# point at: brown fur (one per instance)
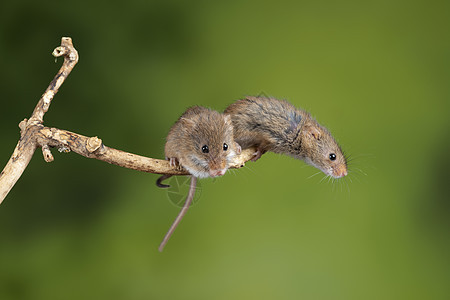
(197, 127)
(278, 126)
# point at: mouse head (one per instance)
(319, 149)
(211, 147)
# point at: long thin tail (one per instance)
(182, 212)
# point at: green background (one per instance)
(376, 73)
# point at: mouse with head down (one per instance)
(202, 142)
(278, 126)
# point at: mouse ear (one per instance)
(227, 119)
(238, 148)
(312, 131)
(187, 122)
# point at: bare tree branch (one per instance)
(27, 145)
(34, 134)
(92, 147)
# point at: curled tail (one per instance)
(160, 179)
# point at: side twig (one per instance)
(34, 134)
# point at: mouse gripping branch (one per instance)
(33, 135)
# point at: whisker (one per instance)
(361, 171)
(348, 187)
(232, 171)
(250, 169)
(323, 178)
(329, 177)
(355, 177)
(313, 175)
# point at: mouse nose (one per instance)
(340, 172)
(215, 173)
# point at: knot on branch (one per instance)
(93, 144)
(23, 126)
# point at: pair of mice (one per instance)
(204, 141)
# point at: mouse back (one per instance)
(276, 125)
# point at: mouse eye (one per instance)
(225, 147)
(332, 156)
(205, 149)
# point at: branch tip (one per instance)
(65, 48)
(48, 157)
(65, 40)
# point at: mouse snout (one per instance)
(217, 168)
(340, 171)
(215, 173)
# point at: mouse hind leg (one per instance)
(259, 152)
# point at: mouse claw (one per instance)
(257, 155)
(173, 161)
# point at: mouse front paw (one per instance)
(173, 161)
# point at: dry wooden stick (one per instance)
(34, 134)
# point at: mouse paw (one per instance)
(257, 155)
(173, 161)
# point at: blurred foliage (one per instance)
(375, 73)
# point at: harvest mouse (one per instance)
(278, 126)
(202, 142)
